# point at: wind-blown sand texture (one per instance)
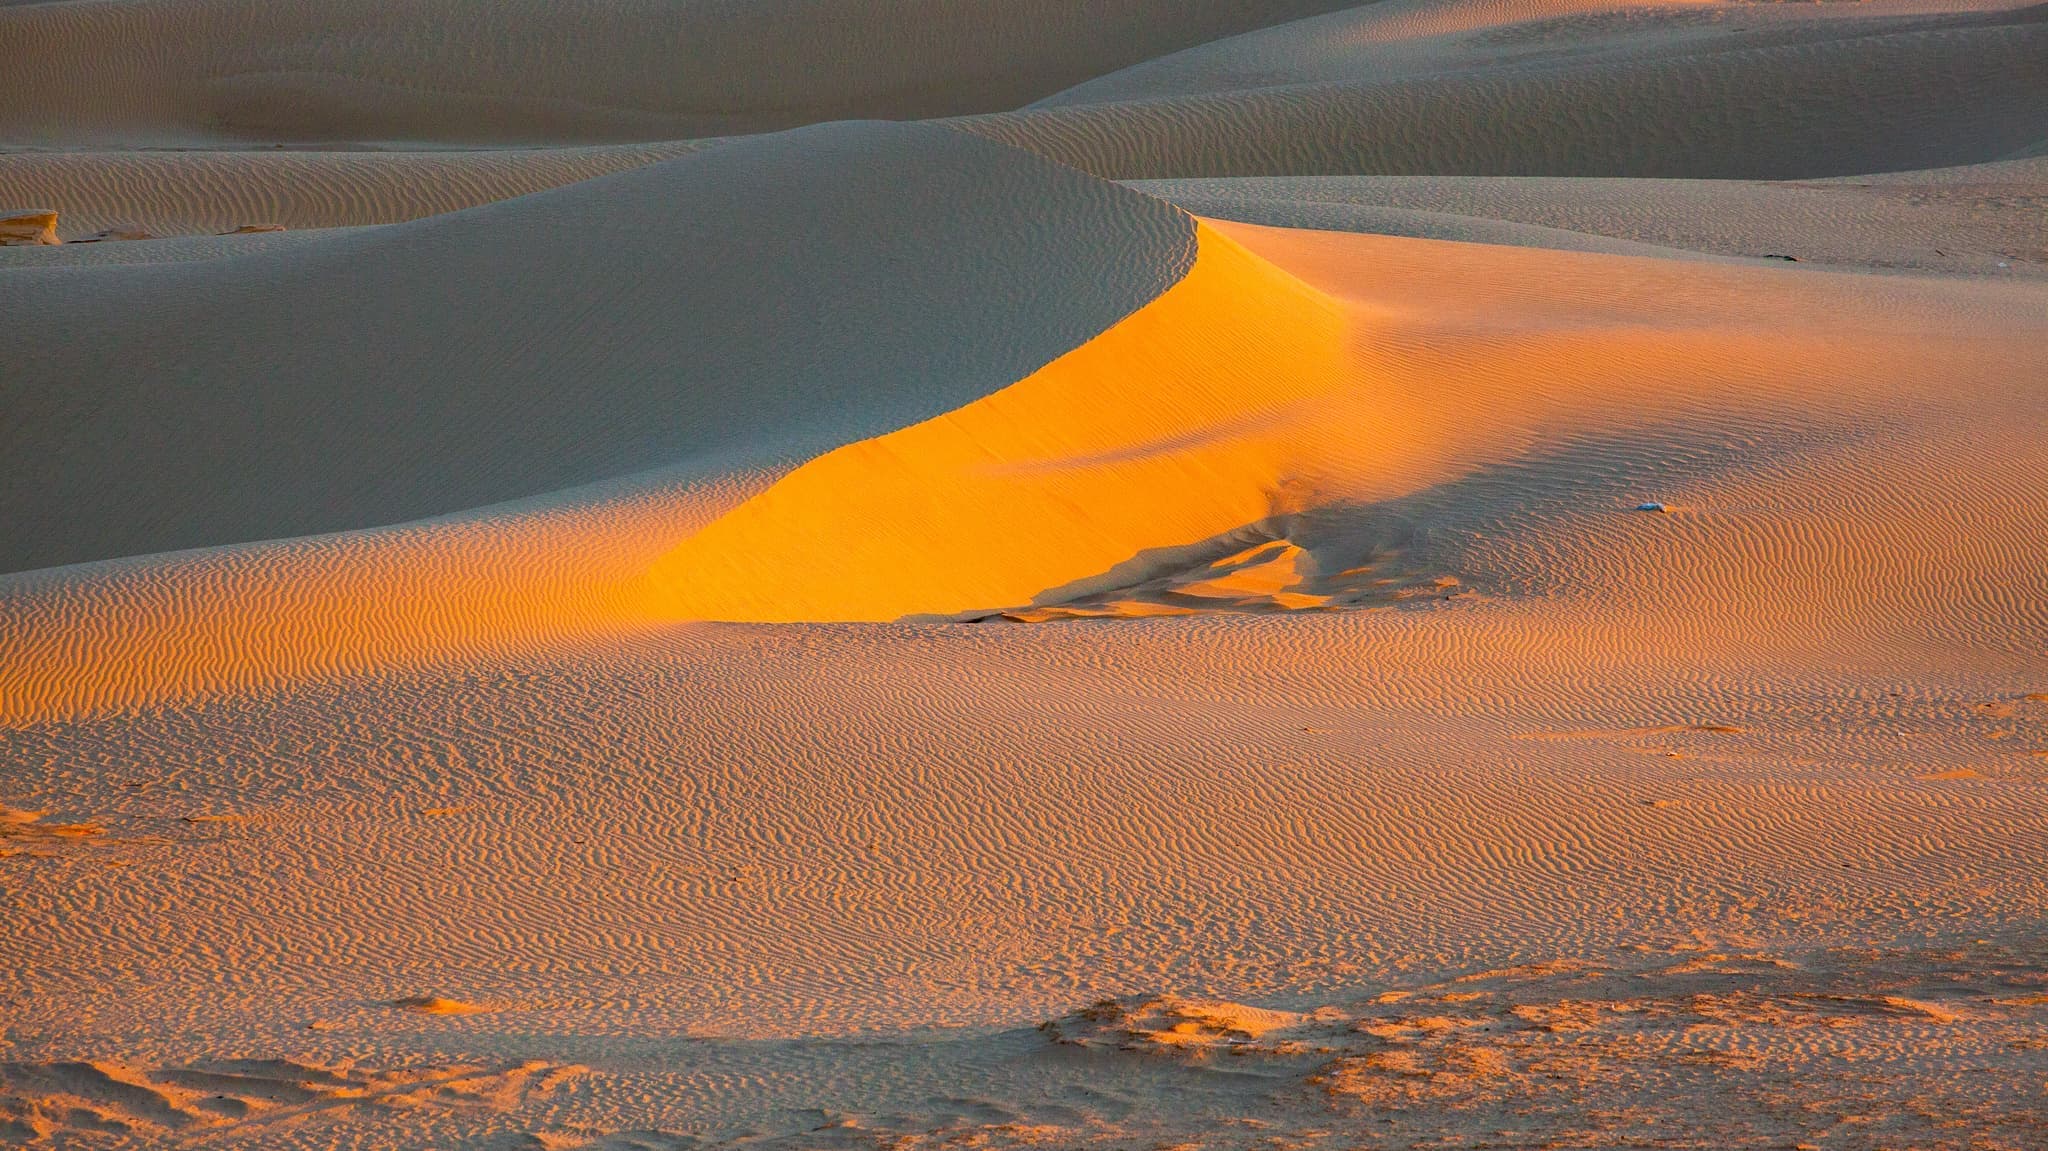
(1490, 592)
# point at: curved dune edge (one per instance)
(1180, 423)
(1278, 393)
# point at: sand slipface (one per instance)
(875, 635)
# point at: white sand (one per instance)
(489, 667)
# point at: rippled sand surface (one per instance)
(1435, 574)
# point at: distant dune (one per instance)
(1411, 39)
(1823, 98)
(177, 72)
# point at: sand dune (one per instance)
(1183, 436)
(172, 73)
(32, 227)
(1406, 39)
(1960, 90)
(867, 636)
(697, 307)
(1181, 411)
(1242, 399)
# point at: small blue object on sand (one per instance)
(1649, 507)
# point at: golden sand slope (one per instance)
(169, 72)
(1244, 402)
(1829, 94)
(1182, 422)
(139, 632)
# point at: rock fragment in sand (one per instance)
(22, 227)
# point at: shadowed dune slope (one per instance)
(181, 71)
(766, 300)
(180, 193)
(1960, 90)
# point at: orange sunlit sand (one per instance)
(1198, 575)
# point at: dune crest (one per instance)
(1246, 405)
(1176, 425)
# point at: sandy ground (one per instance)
(1489, 593)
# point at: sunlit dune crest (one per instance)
(1246, 404)
(1180, 423)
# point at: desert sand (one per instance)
(1215, 575)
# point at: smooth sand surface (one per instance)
(1405, 631)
